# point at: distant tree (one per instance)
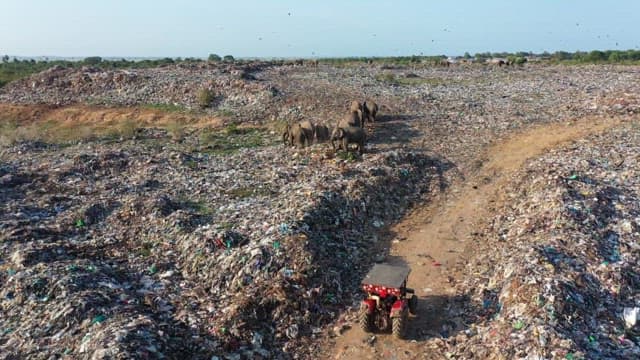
(467, 55)
(562, 55)
(92, 60)
(485, 55)
(214, 57)
(596, 56)
(633, 55)
(5, 59)
(228, 58)
(615, 57)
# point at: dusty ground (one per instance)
(181, 233)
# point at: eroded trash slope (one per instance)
(559, 265)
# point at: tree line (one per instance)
(13, 69)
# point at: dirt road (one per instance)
(434, 239)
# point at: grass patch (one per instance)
(231, 139)
(346, 155)
(145, 249)
(128, 128)
(176, 130)
(49, 132)
(199, 206)
(168, 108)
(277, 126)
(225, 225)
(225, 113)
(56, 132)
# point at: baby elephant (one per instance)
(369, 111)
(350, 135)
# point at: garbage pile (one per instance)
(233, 87)
(129, 250)
(150, 248)
(557, 274)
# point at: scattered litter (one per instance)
(148, 248)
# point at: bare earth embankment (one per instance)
(215, 240)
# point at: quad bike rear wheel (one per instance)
(365, 319)
(413, 304)
(398, 325)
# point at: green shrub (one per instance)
(228, 58)
(205, 97)
(520, 60)
(214, 57)
(176, 130)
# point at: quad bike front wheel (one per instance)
(399, 325)
(365, 319)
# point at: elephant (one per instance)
(356, 106)
(299, 134)
(348, 120)
(309, 129)
(370, 110)
(321, 133)
(286, 135)
(498, 61)
(350, 135)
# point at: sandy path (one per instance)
(435, 238)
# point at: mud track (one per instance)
(434, 240)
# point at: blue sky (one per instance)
(313, 28)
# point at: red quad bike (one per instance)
(386, 305)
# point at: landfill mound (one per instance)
(233, 87)
(556, 269)
(144, 247)
(132, 249)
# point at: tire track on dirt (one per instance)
(437, 238)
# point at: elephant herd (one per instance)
(348, 130)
